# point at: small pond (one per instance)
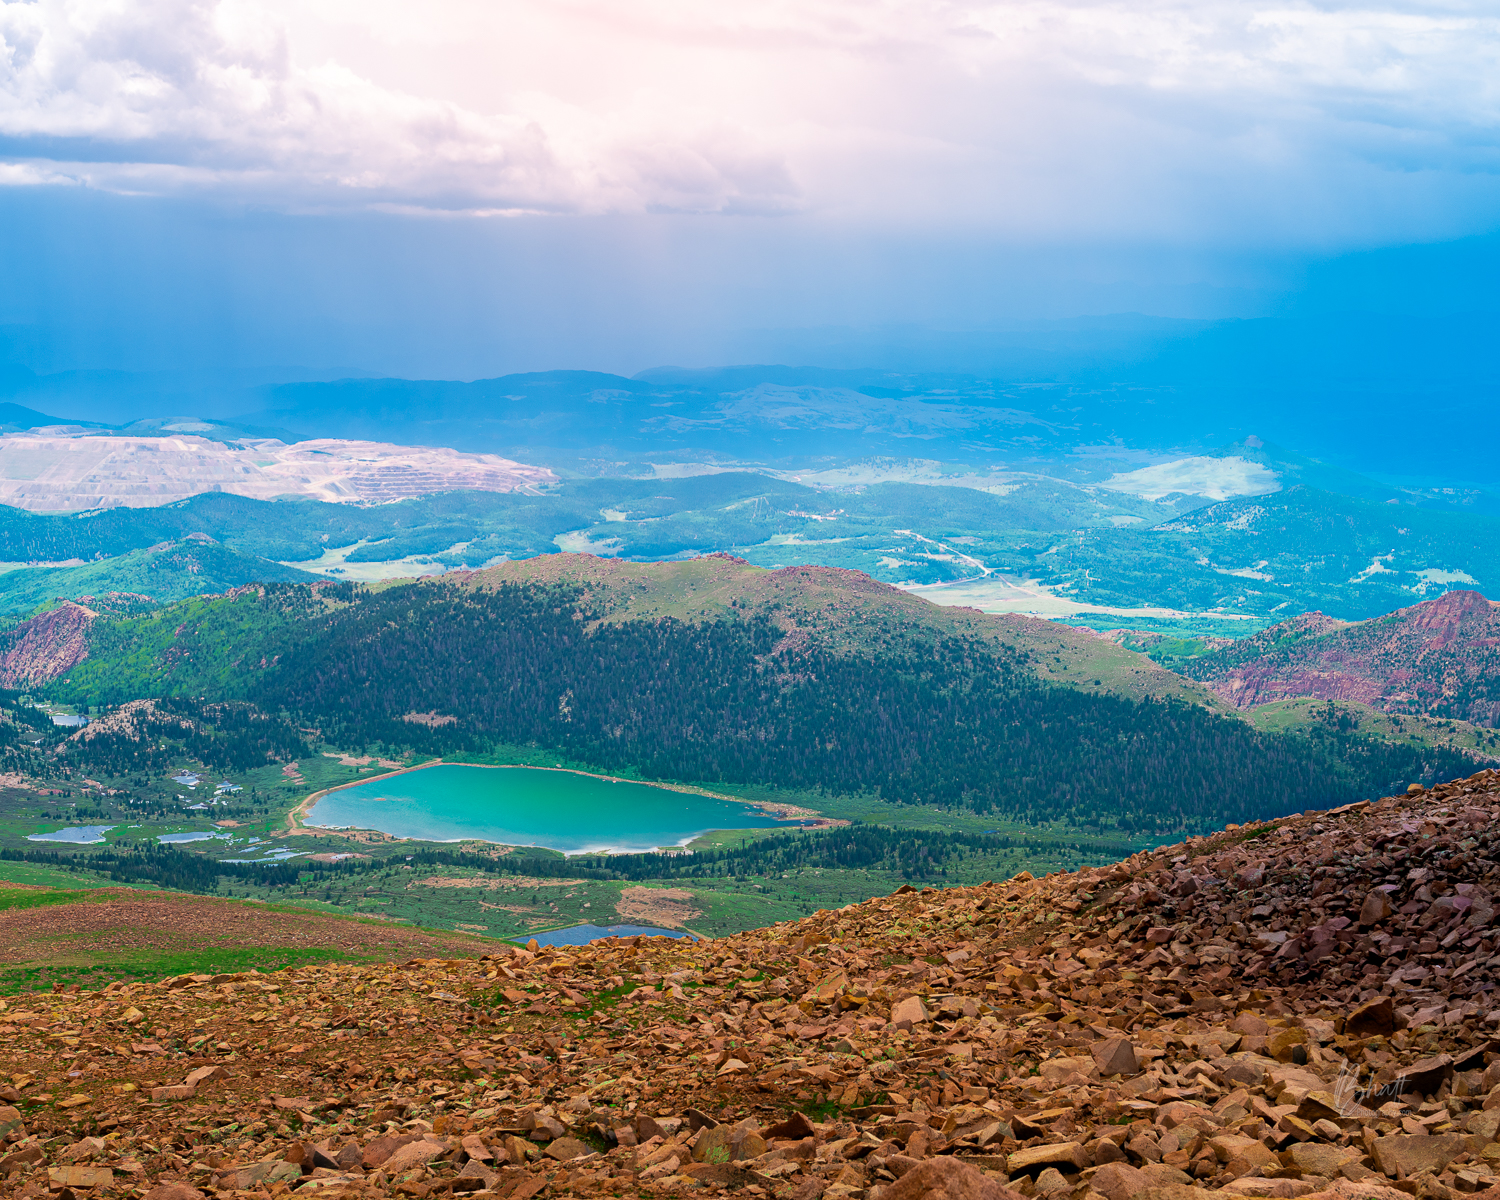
(582, 935)
(80, 835)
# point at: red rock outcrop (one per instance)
(1438, 658)
(46, 646)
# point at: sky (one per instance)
(458, 189)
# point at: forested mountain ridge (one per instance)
(716, 672)
(847, 611)
(1440, 658)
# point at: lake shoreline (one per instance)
(298, 819)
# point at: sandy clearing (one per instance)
(511, 883)
(665, 907)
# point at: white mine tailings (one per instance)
(50, 473)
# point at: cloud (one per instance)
(178, 95)
(1176, 119)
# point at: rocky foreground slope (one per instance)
(1302, 1007)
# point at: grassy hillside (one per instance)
(1310, 715)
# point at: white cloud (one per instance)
(1173, 118)
(173, 95)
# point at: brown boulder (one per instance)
(795, 1127)
(173, 1191)
(725, 1174)
(1117, 1181)
(1320, 1105)
(474, 1169)
(1246, 1070)
(1115, 1056)
(382, 1148)
(1268, 1189)
(911, 1011)
(1373, 1018)
(1425, 1077)
(1376, 908)
(204, 1075)
(1228, 1146)
(1345, 1189)
(544, 1128)
(1069, 1155)
(714, 1145)
(947, 1179)
(176, 1091)
(1283, 1045)
(413, 1154)
(81, 1177)
(1318, 1158)
(1164, 1175)
(1400, 1155)
(1483, 1125)
(564, 1148)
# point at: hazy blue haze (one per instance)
(108, 283)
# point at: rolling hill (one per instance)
(716, 671)
(1251, 559)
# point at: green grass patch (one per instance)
(46, 876)
(149, 965)
(602, 1002)
(10, 900)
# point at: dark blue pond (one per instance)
(582, 935)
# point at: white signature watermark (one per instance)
(1348, 1095)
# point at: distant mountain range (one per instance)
(1089, 554)
(1006, 496)
(1341, 388)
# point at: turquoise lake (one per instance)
(528, 806)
